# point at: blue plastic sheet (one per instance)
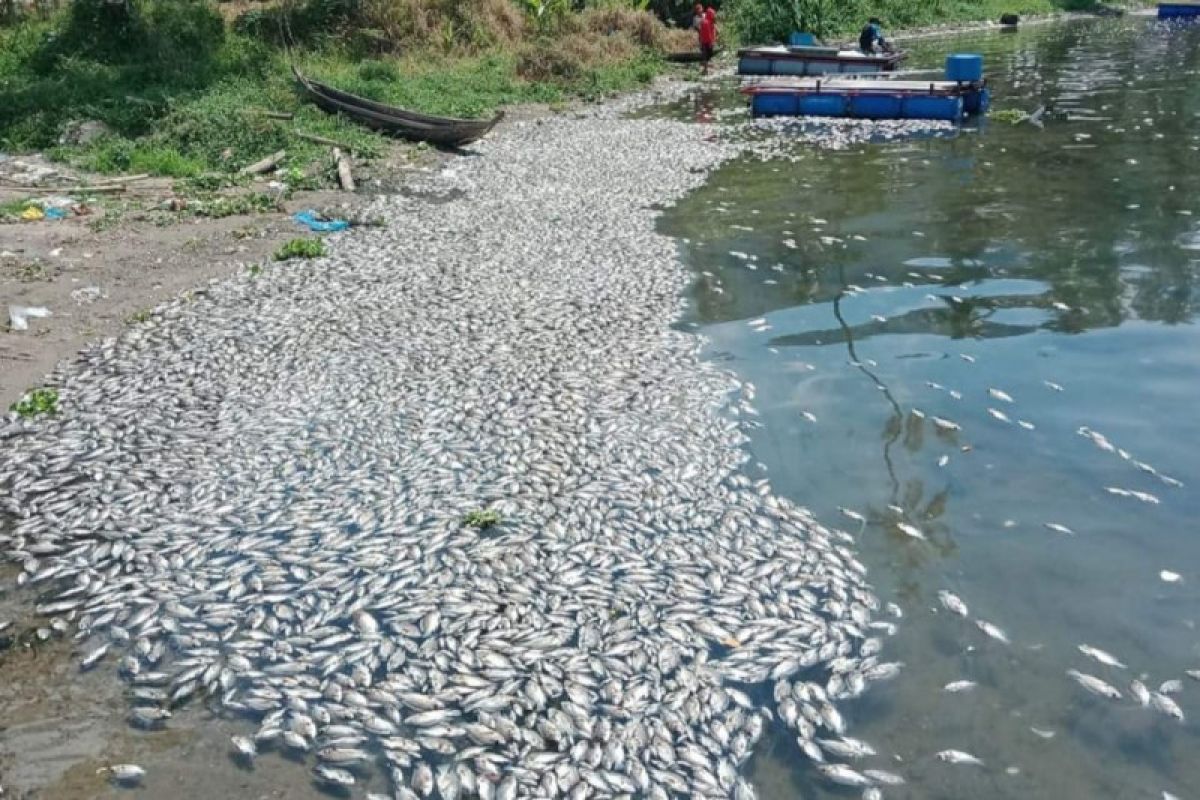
(55, 213)
(311, 220)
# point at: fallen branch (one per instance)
(312, 137)
(102, 189)
(264, 112)
(345, 176)
(265, 165)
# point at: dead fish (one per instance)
(1170, 577)
(843, 775)
(809, 416)
(1108, 659)
(991, 630)
(1029, 426)
(1003, 397)
(1139, 692)
(1053, 386)
(952, 602)
(967, 358)
(945, 424)
(959, 757)
(954, 687)
(884, 777)
(125, 773)
(943, 461)
(910, 530)
(333, 775)
(1173, 686)
(1094, 685)
(1165, 705)
(1000, 415)
(1043, 733)
(1058, 527)
(854, 515)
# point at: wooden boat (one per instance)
(442, 131)
(809, 60)
(688, 57)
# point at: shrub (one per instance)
(39, 402)
(300, 248)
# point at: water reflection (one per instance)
(900, 283)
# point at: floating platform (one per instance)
(809, 60)
(869, 99)
(1179, 10)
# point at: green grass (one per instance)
(39, 402)
(11, 209)
(300, 248)
(482, 519)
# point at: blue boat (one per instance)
(1179, 10)
(800, 60)
(963, 93)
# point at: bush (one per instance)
(300, 248)
(39, 402)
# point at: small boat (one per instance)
(869, 99)
(442, 131)
(688, 57)
(1179, 9)
(813, 60)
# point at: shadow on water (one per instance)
(1017, 284)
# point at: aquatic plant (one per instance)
(482, 519)
(300, 248)
(39, 402)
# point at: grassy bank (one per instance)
(194, 93)
(768, 20)
(187, 88)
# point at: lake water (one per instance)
(903, 281)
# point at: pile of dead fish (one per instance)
(262, 499)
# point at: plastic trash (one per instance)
(313, 222)
(19, 316)
(32, 214)
(55, 213)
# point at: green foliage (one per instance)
(773, 20)
(11, 209)
(300, 248)
(482, 519)
(39, 402)
(1010, 115)
(221, 206)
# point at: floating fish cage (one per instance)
(801, 60)
(963, 93)
(1179, 10)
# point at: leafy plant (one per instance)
(482, 519)
(39, 402)
(300, 248)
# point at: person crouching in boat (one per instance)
(708, 36)
(871, 40)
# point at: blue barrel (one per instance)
(977, 101)
(823, 105)
(876, 106)
(930, 106)
(964, 67)
(768, 104)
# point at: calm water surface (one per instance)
(1003, 258)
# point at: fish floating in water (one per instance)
(955, 687)
(910, 530)
(1094, 685)
(1003, 397)
(1000, 415)
(959, 757)
(992, 631)
(1058, 527)
(952, 602)
(1106, 658)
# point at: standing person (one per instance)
(708, 36)
(871, 38)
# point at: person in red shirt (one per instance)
(708, 35)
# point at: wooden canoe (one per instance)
(442, 131)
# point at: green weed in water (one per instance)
(39, 402)
(1012, 116)
(300, 248)
(482, 519)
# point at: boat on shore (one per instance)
(441, 131)
(802, 60)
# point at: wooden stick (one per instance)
(312, 137)
(265, 165)
(345, 176)
(266, 112)
(118, 187)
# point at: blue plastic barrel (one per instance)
(933, 107)
(977, 101)
(768, 104)
(964, 67)
(876, 106)
(823, 105)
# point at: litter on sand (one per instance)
(19, 316)
(313, 221)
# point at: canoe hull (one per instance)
(441, 131)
